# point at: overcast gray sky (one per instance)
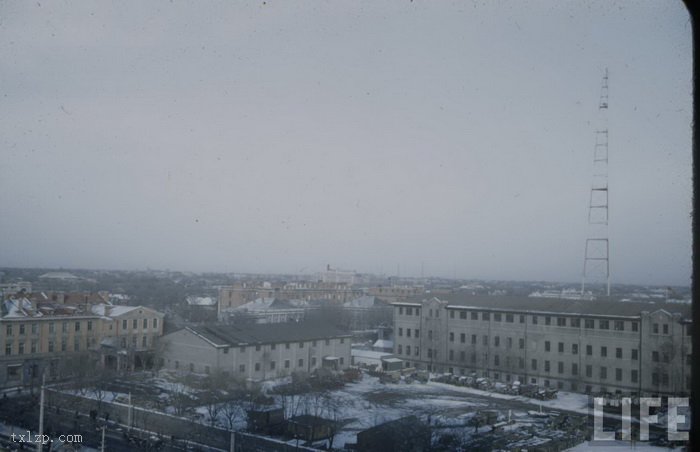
(275, 136)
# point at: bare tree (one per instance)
(232, 411)
(179, 398)
(333, 409)
(103, 376)
(212, 405)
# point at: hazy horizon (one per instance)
(450, 139)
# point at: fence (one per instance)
(170, 427)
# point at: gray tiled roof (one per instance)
(268, 333)
(559, 306)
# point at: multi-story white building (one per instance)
(581, 346)
(256, 351)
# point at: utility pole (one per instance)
(102, 446)
(39, 445)
(596, 261)
(129, 412)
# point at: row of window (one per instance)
(22, 329)
(272, 365)
(416, 350)
(634, 353)
(135, 324)
(134, 342)
(34, 346)
(433, 354)
(574, 322)
(574, 368)
(562, 321)
(485, 340)
(665, 358)
(287, 345)
(34, 327)
(53, 345)
(664, 327)
(409, 310)
(416, 332)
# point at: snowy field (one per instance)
(449, 409)
(368, 403)
(621, 446)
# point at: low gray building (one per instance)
(256, 351)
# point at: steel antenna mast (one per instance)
(596, 261)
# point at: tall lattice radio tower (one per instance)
(596, 261)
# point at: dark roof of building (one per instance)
(310, 420)
(267, 333)
(405, 424)
(558, 306)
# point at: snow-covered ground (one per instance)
(621, 446)
(368, 403)
(104, 396)
(569, 401)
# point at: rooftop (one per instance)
(109, 310)
(364, 302)
(310, 420)
(383, 343)
(18, 308)
(43, 307)
(556, 306)
(261, 333)
(359, 353)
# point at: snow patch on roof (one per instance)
(267, 304)
(383, 343)
(108, 310)
(200, 301)
(366, 301)
(118, 297)
(20, 307)
(369, 354)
